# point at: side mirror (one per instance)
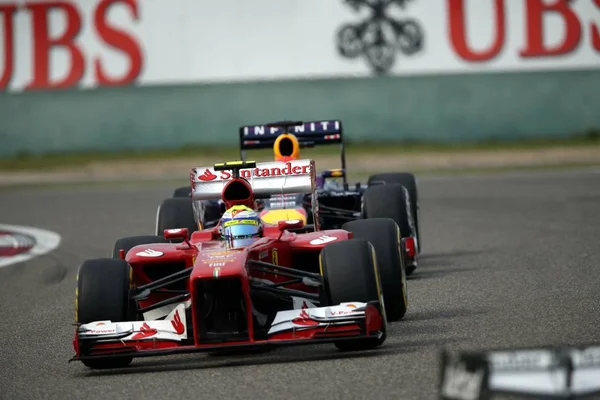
(290, 224)
(179, 233)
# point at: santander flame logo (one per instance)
(304, 319)
(178, 324)
(145, 332)
(207, 176)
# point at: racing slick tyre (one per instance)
(103, 294)
(183, 191)
(390, 201)
(350, 273)
(409, 181)
(175, 213)
(384, 235)
(130, 242)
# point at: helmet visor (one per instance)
(241, 231)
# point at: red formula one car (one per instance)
(295, 284)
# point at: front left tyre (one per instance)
(350, 273)
(103, 294)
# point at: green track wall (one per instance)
(450, 108)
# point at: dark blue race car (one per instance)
(385, 195)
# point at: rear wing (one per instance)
(267, 178)
(309, 134)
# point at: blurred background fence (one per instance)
(127, 74)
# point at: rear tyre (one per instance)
(384, 235)
(349, 270)
(103, 294)
(209, 213)
(409, 181)
(184, 191)
(175, 213)
(389, 201)
(130, 242)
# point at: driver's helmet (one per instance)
(240, 225)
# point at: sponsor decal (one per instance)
(263, 254)
(216, 272)
(149, 253)
(218, 261)
(378, 37)
(175, 231)
(259, 172)
(223, 257)
(101, 331)
(21, 243)
(207, 176)
(240, 222)
(177, 324)
(304, 319)
(309, 127)
(351, 305)
(323, 239)
(218, 264)
(341, 312)
(145, 332)
(217, 253)
(275, 256)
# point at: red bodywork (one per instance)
(211, 261)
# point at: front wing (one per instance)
(307, 325)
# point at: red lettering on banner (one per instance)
(596, 31)
(119, 40)
(42, 45)
(225, 175)
(535, 11)
(7, 11)
(458, 36)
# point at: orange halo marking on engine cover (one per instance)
(295, 148)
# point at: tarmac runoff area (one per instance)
(510, 260)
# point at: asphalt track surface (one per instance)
(509, 260)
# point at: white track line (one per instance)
(46, 241)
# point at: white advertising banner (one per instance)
(47, 45)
